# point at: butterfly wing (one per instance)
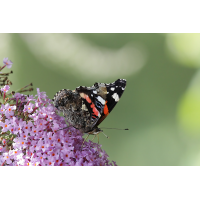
(100, 99)
(114, 93)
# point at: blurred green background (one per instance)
(161, 103)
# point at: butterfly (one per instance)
(86, 107)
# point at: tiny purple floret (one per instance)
(7, 62)
(5, 88)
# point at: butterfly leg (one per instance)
(84, 141)
(93, 137)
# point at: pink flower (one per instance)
(7, 62)
(29, 107)
(18, 95)
(5, 88)
(5, 126)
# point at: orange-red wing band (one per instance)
(105, 110)
(104, 115)
(87, 98)
(94, 110)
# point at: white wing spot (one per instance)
(94, 91)
(101, 100)
(112, 88)
(115, 97)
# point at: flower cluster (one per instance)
(32, 134)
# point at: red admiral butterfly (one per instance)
(86, 107)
